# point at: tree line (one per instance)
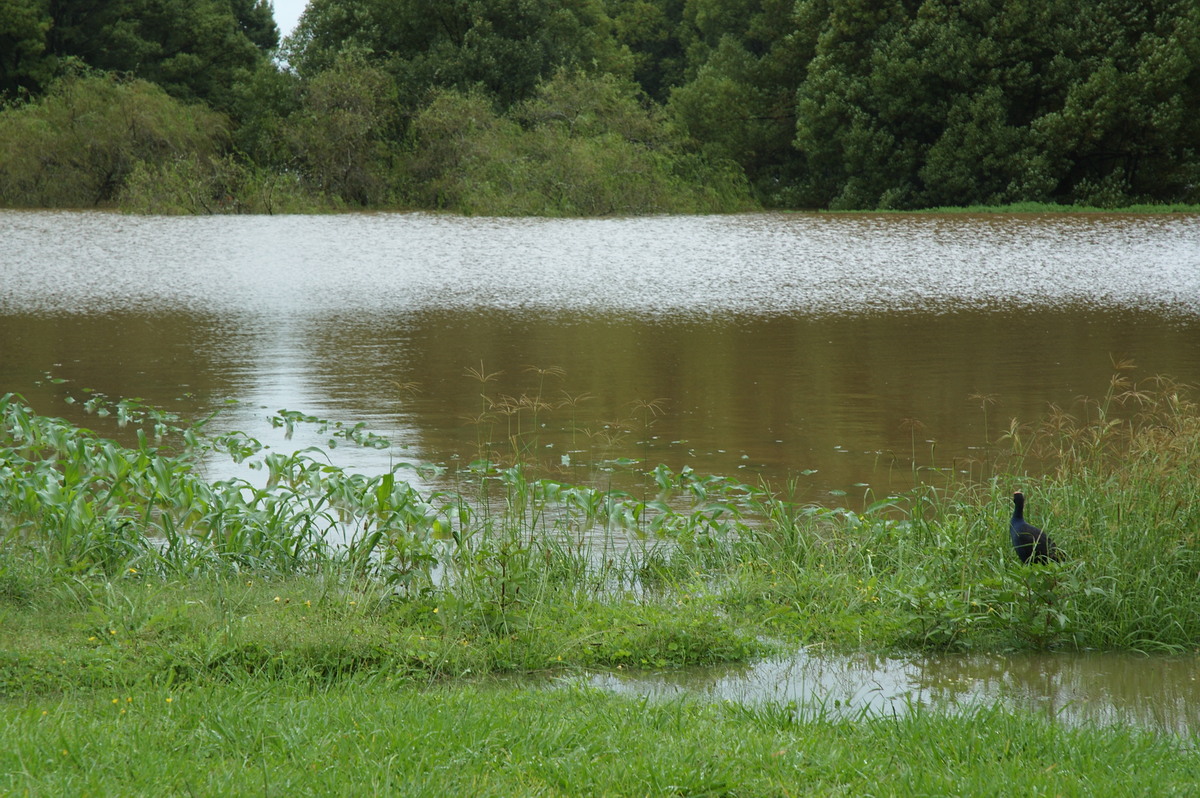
(592, 107)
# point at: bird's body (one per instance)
(1030, 543)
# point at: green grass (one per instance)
(112, 527)
(317, 631)
(374, 737)
(161, 633)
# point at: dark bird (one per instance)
(1031, 543)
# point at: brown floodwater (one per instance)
(834, 351)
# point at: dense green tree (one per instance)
(261, 101)
(651, 30)
(1129, 123)
(504, 46)
(911, 104)
(610, 106)
(451, 137)
(739, 100)
(842, 40)
(195, 49)
(25, 63)
(256, 18)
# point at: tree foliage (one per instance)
(581, 146)
(25, 63)
(908, 104)
(653, 33)
(194, 184)
(76, 146)
(194, 49)
(576, 106)
(504, 46)
(340, 133)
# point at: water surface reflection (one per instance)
(846, 353)
(1158, 693)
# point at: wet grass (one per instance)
(314, 630)
(92, 524)
(1113, 483)
(372, 737)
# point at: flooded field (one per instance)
(840, 352)
(845, 355)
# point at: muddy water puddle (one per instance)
(1159, 693)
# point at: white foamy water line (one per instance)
(755, 264)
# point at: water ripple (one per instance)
(755, 264)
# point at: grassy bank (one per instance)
(372, 737)
(152, 615)
(132, 544)
(320, 630)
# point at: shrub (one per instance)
(196, 185)
(78, 145)
(583, 146)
